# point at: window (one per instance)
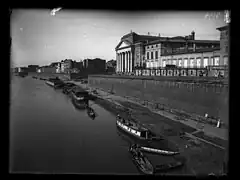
(179, 62)
(211, 61)
(156, 45)
(151, 55)
(164, 63)
(152, 46)
(185, 63)
(216, 61)
(205, 61)
(191, 62)
(147, 55)
(156, 55)
(175, 62)
(225, 60)
(226, 49)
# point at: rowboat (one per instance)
(91, 112)
(141, 161)
(159, 151)
(50, 83)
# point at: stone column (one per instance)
(126, 55)
(125, 61)
(117, 69)
(128, 62)
(121, 57)
(119, 63)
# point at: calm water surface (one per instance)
(47, 134)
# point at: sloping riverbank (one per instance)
(201, 157)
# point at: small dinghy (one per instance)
(141, 161)
(159, 151)
(90, 112)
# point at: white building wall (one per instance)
(184, 60)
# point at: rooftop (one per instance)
(133, 38)
(223, 28)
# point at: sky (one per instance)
(39, 38)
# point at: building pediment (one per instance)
(123, 44)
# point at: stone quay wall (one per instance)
(202, 96)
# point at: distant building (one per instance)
(145, 51)
(22, 69)
(95, 66)
(48, 69)
(66, 65)
(58, 67)
(77, 65)
(54, 64)
(224, 44)
(111, 63)
(32, 68)
(39, 70)
(111, 66)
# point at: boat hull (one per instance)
(50, 83)
(80, 104)
(145, 145)
(142, 163)
(159, 151)
(129, 130)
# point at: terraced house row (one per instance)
(145, 51)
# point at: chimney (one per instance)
(159, 34)
(148, 33)
(193, 35)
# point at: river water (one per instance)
(48, 135)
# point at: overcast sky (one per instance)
(40, 38)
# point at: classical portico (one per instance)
(124, 58)
(124, 61)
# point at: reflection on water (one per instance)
(47, 134)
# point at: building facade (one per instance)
(48, 69)
(224, 44)
(139, 51)
(95, 66)
(65, 66)
(32, 68)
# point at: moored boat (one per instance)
(141, 161)
(50, 83)
(135, 129)
(159, 151)
(80, 98)
(54, 82)
(90, 112)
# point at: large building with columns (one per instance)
(147, 51)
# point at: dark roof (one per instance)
(178, 37)
(136, 38)
(191, 51)
(166, 39)
(129, 34)
(223, 28)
